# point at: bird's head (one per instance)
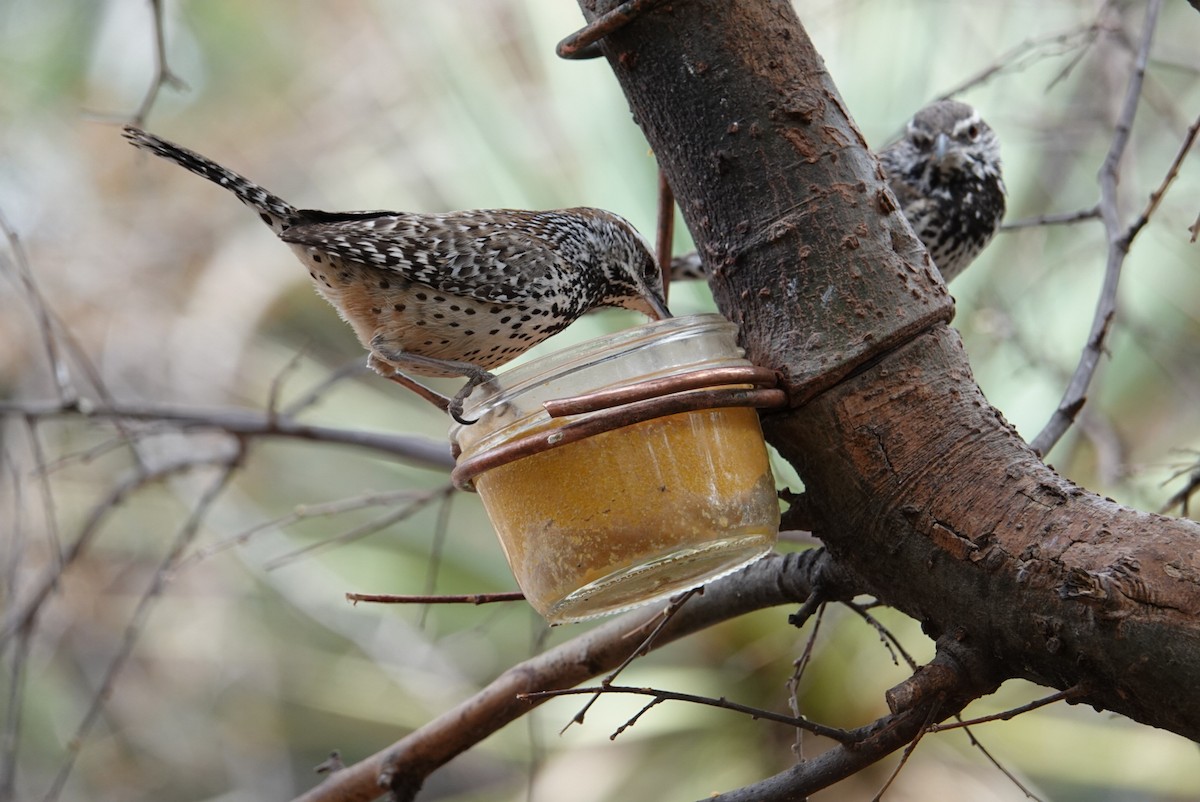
(952, 136)
(633, 278)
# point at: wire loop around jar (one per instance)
(624, 406)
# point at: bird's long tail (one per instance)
(274, 211)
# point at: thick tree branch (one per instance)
(912, 479)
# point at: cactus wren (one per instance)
(945, 172)
(452, 294)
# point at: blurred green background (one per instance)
(251, 667)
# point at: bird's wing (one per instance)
(500, 256)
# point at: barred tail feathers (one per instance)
(274, 211)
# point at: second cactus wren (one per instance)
(945, 172)
(452, 294)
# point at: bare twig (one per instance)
(21, 615)
(644, 647)
(1118, 247)
(800, 722)
(302, 513)
(435, 552)
(793, 681)
(242, 423)
(162, 72)
(908, 750)
(1029, 52)
(469, 598)
(20, 262)
(1012, 713)
(665, 238)
(889, 640)
(975, 742)
(359, 532)
(1156, 196)
(1058, 219)
(773, 580)
(137, 620)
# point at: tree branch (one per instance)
(1118, 248)
(777, 579)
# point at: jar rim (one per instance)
(519, 379)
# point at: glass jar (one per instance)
(633, 514)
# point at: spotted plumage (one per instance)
(945, 172)
(453, 294)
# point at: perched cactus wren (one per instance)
(452, 294)
(945, 172)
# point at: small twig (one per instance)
(1156, 196)
(1054, 219)
(798, 667)
(137, 620)
(241, 423)
(21, 615)
(643, 648)
(469, 598)
(1028, 52)
(886, 636)
(162, 72)
(582, 44)
(435, 553)
(839, 735)
(1073, 691)
(999, 766)
(359, 532)
(318, 391)
(58, 366)
(665, 240)
(909, 749)
(1118, 247)
(301, 513)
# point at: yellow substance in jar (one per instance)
(691, 493)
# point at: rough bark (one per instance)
(912, 479)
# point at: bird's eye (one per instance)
(973, 133)
(921, 140)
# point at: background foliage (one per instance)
(250, 667)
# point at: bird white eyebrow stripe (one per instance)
(963, 125)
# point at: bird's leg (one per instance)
(386, 360)
(388, 371)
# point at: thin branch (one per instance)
(1118, 247)
(799, 722)
(243, 423)
(1157, 195)
(58, 367)
(1055, 219)
(359, 532)
(1073, 691)
(793, 681)
(304, 512)
(643, 648)
(21, 615)
(468, 598)
(137, 620)
(1028, 52)
(440, 529)
(889, 640)
(908, 750)
(975, 742)
(162, 72)
(774, 580)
